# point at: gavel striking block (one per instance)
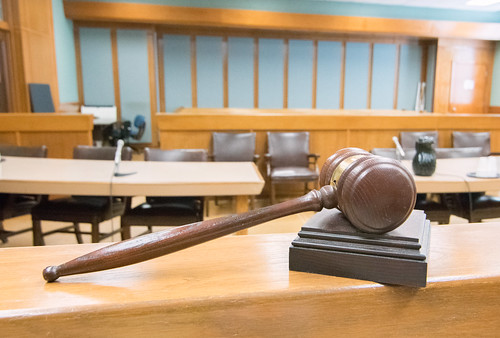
(375, 194)
(328, 244)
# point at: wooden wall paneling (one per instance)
(78, 61)
(370, 76)
(463, 76)
(59, 132)
(332, 130)
(444, 59)
(342, 76)
(265, 20)
(152, 52)
(286, 57)
(9, 138)
(194, 90)
(160, 43)
(494, 110)
(225, 81)
(315, 73)
(19, 97)
(116, 73)
(425, 61)
(5, 69)
(34, 28)
(396, 76)
(256, 72)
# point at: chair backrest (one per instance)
(41, 98)
(289, 149)
(470, 139)
(139, 127)
(233, 147)
(459, 152)
(409, 138)
(23, 151)
(175, 155)
(392, 153)
(100, 153)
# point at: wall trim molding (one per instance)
(494, 110)
(134, 13)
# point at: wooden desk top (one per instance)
(90, 177)
(451, 176)
(241, 285)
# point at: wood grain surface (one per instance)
(241, 285)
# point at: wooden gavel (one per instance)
(376, 194)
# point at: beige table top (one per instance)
(451, 176)
(241, 285)
(90, 177)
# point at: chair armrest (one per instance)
(268, 157)
(256, 158)
(313, 159)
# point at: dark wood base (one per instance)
(328, 244)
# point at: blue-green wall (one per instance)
(240, 65)
(65, 54)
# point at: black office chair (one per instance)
(13, 205)
(81, 209)
(289, 160)
(166, 211)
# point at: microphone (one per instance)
(398, 146)
(376, 194)
(118, 156)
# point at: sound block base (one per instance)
(328, 244)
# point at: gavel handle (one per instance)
(160, 243)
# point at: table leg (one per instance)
(241, 206)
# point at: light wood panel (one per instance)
(463, 76)
(32, 48)
(254, 19)
(241, 285)
(59, 132)
(330, 130)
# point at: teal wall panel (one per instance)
(134, 77)
(271, 73)
(431, 74)
(209, 71)
(97, 66)
(65, 54)
(300, 73)
(495, 86)
(383, 76)
(409, 76)
(240, 72)
(356, 75)
(177, 68)
(328, 75)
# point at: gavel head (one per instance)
(376, 194)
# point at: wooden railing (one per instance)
(59, 132)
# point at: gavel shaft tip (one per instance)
(50, 273)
